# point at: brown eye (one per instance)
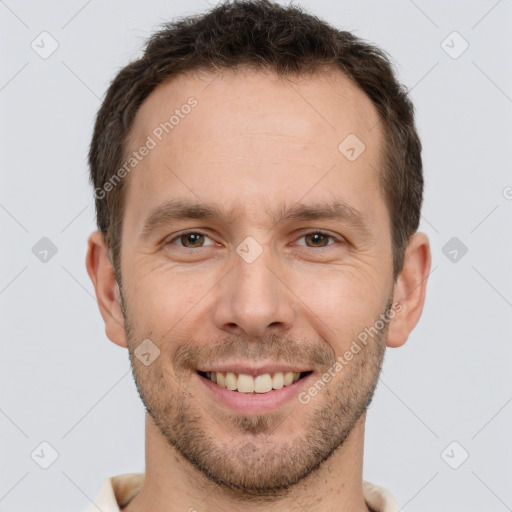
(190, 240)
(317, 239)
(194, 239)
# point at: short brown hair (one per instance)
(260, 34)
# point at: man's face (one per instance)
(256, 291)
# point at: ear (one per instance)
(102, 275)
(410, 289)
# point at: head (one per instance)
(258, 185)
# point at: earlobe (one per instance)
(102, 275)
(410, 289)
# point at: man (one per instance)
(258, 185)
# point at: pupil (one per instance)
(316, 237)
(194, 236)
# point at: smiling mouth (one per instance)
(244, 383)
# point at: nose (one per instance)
(254, 299)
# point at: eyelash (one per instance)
(315, 232)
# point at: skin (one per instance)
(254, 142)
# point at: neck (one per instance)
(171, 483)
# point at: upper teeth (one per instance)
(248, 384)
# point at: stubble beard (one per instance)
(251, 464)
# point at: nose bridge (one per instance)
(253, 298)
(252, 275)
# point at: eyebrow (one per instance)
(181, 209)
(335, 210)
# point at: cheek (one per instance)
(163, 298)
(153, 303)
(343, 303)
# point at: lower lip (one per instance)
(254, 402)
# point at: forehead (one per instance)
(307, 108)
(260, 135)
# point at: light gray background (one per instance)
(63, 382)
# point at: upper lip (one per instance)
(252, 369)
